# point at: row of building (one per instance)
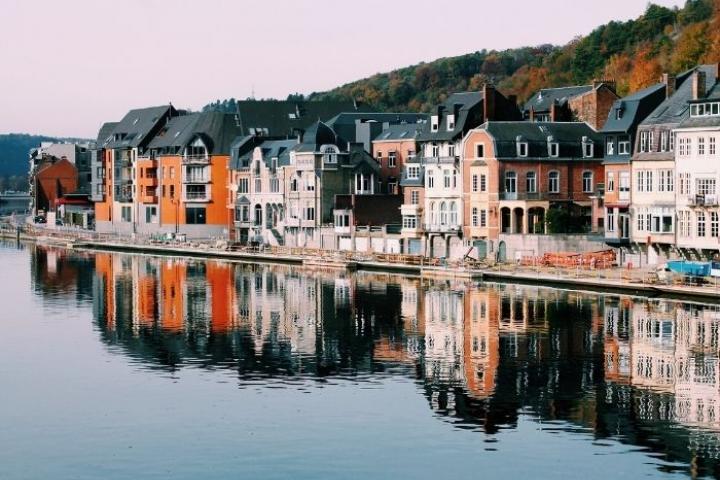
(478, 176)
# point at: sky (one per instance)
(68, 66)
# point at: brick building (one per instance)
(580, 103)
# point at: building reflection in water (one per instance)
(641, 371)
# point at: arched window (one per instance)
(453, 214)
(433, 214)
(587, 182)
(329, 153)
(443, 213)
(258, 214)
(294, 184)
(554, 182)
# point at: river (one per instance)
(119, 366)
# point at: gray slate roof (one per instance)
(635, 108)
(464, 102)
(217, 130)
(675, 108)
(105, 133)
(568, 135)
(402, 131)
(137, 125)
(543, 99)
(282, 118)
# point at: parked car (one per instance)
(39, 219)
(59, 222)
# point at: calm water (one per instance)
(120, 366)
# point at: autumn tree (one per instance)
(646, 70)
(619, 68)
(690, 47)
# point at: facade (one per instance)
(368, 223)
(52, 180)
(698, 168)
(77, 154)
(436, 230)
(392, 148)
(519, 171)
(166, 172)
(653, 217)
(580, 103)
(620, 134)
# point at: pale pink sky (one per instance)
(67, 66)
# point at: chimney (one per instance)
(554, 112)
(488, 102)
(698, 85)
(669, 80)
(608, 82)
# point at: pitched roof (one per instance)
(105, 133)
(634, 108)
(538, 135)
(217, 130)
(281, 118)
(402, 131)
(543, 99)
(462, 103)
(137, 125)
(675, 108)
(277, 149)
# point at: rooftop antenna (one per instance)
(252, 91)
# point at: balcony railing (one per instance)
(196, 159)
(196, 196)
(435, 228)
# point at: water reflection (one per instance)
(636, 370)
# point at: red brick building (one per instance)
(53, 179)
(392, 148)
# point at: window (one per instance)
(309, 213)
(431, 179)
(664, 141)
(414, 197)
(378, 157)
(705, 186)
(410, 153)
(172, 191)
(195, 215)
(409, 222)
(433, 214)
(435, 150)
(714, 224)
(450, 122)
(434, 123)
(651, 141)
(414, 171)
(684, 183)
(294, 184)
(474, 183)
(610, 222)
(531, 182)
(672, 141)
(644, 141)
(446, 178)
(451, 150)
(454, 178)
(443, 213)
(310, 183)
(274, 185)
(554, 182)
(453, 213)
(711, 146)
(483, 183)
(258, 185)
(700, 224)
(172, 172)
(522, 149)
(483, 218)
(510, 182)
(644, 181)
(554, 149)
(480, 150)
(624, 145)
(587, 182)
(666, 182)
(701, 146)
(329, 154)
(610, 145)
(610, 187)
(126, 214)
(244, 185)
(588, 149)
(392, 160)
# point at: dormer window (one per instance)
(480, 150)
(450, 123)
(553, 147)
(413, 171)
(644, 142)
(196, 150)
(522, 147)
(588, 149)
(610, 146)
(705, 109)
(434, 123)
(329, 153)
(624, 145)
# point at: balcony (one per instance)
(441, 160)
(528, 196)
(410, 209)
(435, 228)
(195, 159)
(196, 194)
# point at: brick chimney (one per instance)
(488, 102)
(609, 82)
(698, 85)
(669, 80)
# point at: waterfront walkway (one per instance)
(641, 282)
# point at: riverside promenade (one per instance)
(617, 280)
